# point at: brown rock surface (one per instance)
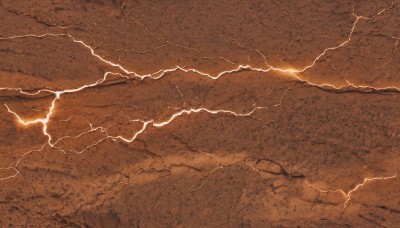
(199, 113)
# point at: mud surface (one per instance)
(199, 113)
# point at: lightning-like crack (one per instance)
(347, 195)
(124, 72)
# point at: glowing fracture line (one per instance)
(147, 123)
(180, 113)
(45, 120)
(157, 124)
(156, 75)
(349, 193)
(346, 41)
(152, 122)
(12, 176)
(160, 73)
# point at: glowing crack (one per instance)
(161, 73)
(292, 72)
(347, 195)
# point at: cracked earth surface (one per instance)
(199, 113)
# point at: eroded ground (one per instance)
(199, 113)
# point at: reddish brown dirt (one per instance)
(199, 113)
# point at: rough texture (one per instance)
(199, 113)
